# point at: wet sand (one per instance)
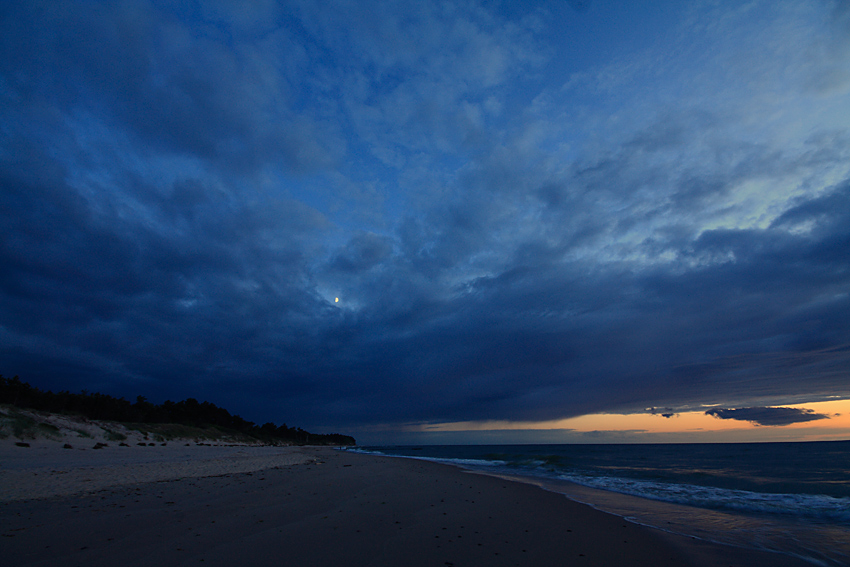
(321, 507)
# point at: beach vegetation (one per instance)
(49, 429)
(22, 426)
(110, 435)
(163, 420)
(161, 432)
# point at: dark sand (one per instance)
(343, 509)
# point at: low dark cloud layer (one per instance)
(768, 416)
(515, 227)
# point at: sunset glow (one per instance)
(684, 427)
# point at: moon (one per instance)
(336, 300)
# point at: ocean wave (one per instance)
(810, 506)
(472, 463)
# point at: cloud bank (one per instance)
(768, 416)
(525, 214)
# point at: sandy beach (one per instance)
(308, 506)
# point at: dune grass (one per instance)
(161, 432)
(27, 425)
(15, 423)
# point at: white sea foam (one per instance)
(663, 485)
(472, 463)
(813, 506)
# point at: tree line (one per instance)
(187, 412)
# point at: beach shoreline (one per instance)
(319, 506)
(785, 498)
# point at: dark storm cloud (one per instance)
(183, 195)
(363, 252)
(768, 416)
(179, 88)
(182, 298)
(587, 337)
(663, 412)
(219, 304)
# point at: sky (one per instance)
(461, 221)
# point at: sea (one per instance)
(790, 498)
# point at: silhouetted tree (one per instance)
(188, 412)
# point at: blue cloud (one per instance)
(768, 415)
(525, 220)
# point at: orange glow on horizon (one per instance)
(693, 426)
